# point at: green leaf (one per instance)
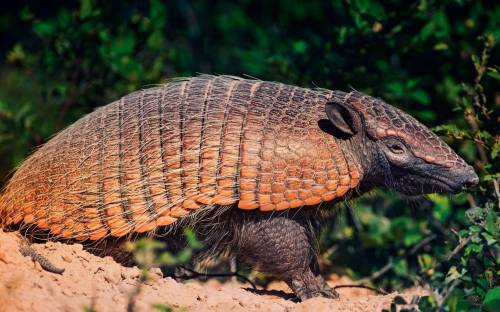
(123, 45)
(473, 248)
(495, 149)
(427, 303)
(490, 276)
(401, 267)
(420, 96)
(161, 307)
(192, 239)
(16, 54)
(167, 258)
(412, 238)
(426, 262)
(452, 130)
(476, 61)
(441, 46)
(493, 72)
(442, 206)
(492, 300)
(491, 224)
(395, 87)
(85, 8)
(184, 255)
(26, 14)
(44, 28)
(342, 35)
(299, 46)
(490, 240)
(452, 275)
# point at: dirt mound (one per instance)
(101, 283)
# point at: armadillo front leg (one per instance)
(284, 247)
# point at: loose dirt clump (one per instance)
(104, 285)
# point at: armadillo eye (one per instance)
(396, 148)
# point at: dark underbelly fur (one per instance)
(282, 244)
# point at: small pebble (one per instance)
(113, 274)
(157, 272)
(130, 273)
(67, 258)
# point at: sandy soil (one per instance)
(101, 283)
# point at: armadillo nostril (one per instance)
(471, 181)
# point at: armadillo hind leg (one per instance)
(28, 251)
(284, 247)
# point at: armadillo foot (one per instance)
(307, 285)
(28, 251)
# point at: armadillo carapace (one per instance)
(159, 154)
(236, 149)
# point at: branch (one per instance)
(386, 268)
(195, 274)
(421, 244)
(442, 299)
(390, 264)
(479, 100)
(471, 200)
(132, 296)
(497, 190)
(460, 246)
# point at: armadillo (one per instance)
(252, 149)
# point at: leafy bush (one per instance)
(450, 245)
(435, 59)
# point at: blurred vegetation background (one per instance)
(437, 60)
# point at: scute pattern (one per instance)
(160, 154)
(384, 120)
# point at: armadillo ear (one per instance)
(343, 118)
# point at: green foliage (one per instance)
(474, 264)
(449, 244)
(151, 253)
(437, 60)
(492, 300)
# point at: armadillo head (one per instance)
(395, 150)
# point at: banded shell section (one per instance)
(159, 154)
